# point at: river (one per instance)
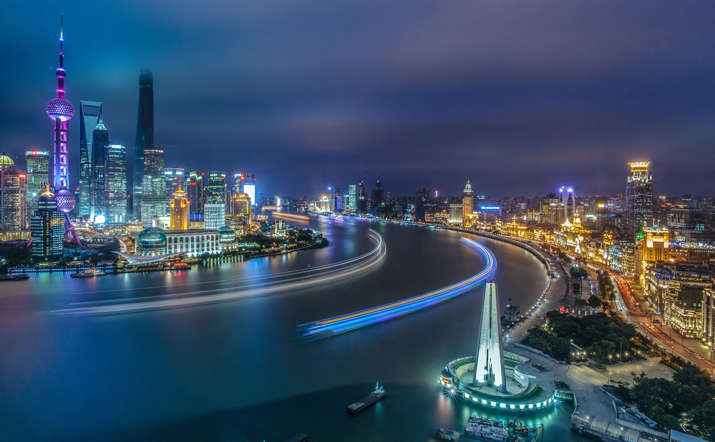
(239, 370)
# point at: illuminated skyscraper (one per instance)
(215, 197)
(378, 197)
(240, 210)
(37, 163)
(47, 226)
(115, 176)
(352, 198)
(179, 211)
(154, 203)
(97, 182)
(174, 178)
(61, 111)
(639, 197)
(13, 199)
(195, 193)
(489, 360)
(249, 187)
(362, 198)
(90, 113)
(145, 136)
(467, 204)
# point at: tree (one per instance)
(704, 419)
(594, 302)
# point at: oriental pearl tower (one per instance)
(60, 111)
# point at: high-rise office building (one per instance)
(174, 178)
(467, 204)
(13, 199)
(154, 203)
(195, 193)
(37, 163)
(145, 136)
(362, 198)
(60, 111)
(115, 183)
(47, 228)
(240, 210)
(97, 182)
(352, 198)
(249, 187)
(377, 202)
(237, 187)
(90, 113)
(179, 211)
(215, 200)
(639, 197)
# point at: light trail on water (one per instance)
(352, 321)
(292, 280)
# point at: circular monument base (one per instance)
(523, 392)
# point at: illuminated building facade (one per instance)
(47, 226)
(708, 316)
(663, 282)
(467, 204)
(175, 178)
(639, 197)
(455, 213)
(154, 204)
(90, 113)
(249, 187)
(240, 210)
(195, 193)
(179, 211)
(13, 197)
(362, 198)
(145, 136)
(352, 198)
(215, 197)
(37, 163)
(684, 312)
(60, 112)
(489, 360)
(97, 183)
(116, 186)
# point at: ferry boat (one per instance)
(376, 395)
(181, 265)
(91, 273)
(485, 429)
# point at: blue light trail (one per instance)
(352, 321)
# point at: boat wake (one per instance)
(269, 284)
(325, 328)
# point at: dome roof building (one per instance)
(151, 242)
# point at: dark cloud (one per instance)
(520, 96)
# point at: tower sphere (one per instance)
(59, 108)
(65, 200)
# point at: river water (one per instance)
(235, 371)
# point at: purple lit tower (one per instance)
(60, 111)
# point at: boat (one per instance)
(14, 277)
(91, 273)
(181, 265)
(485, 429)
(376, 395)
(447, 435)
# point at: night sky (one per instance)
(520, 96)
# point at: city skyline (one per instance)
(339, 188)
(514, 122)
